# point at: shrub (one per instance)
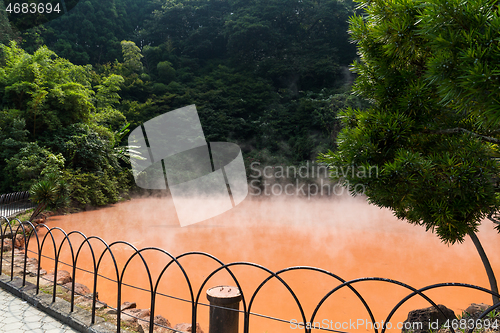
(31, 162)
(96, 189)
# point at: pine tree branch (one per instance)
(463, 130)
(492, 219)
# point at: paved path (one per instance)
(17, 316)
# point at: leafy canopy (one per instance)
(59, 119)
(464, 39)
(430, 70)
(49, 92)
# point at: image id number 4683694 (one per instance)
(32, 8)
(471, 324)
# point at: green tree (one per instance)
(193, 27)
(166, 73)
(107, 92)
(13, 137)
(42, 193)
(298, 44)
(58, 117)
(49, 92)
(463, 39)
(92, 31)
(131, 56)
(52, 191)
(431, 74)
(6, 32)
(29, 164)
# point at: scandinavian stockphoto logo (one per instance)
(205, 179)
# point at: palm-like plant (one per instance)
(43, 193)
(51, 190)
(125, 153)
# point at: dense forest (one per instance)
(269, 75)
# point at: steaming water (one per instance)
(347, 237)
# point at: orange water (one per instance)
(347, 237)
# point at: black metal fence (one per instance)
(34, 234)
(13, 203)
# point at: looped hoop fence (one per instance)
(13, 203)
(33, 233)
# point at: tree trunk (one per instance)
(38, 210)
(487, 266)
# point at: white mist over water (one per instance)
(345, 236)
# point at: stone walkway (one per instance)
(17, 316)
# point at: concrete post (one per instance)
(223, 320)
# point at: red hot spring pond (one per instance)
(345, 236)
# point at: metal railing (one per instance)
(33, 234)
(13, 203)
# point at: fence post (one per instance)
(223, 318)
